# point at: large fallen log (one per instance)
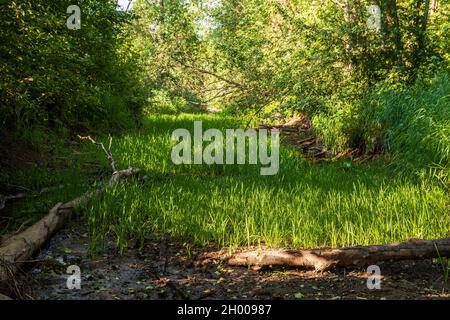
(323, 259)
(20, 248)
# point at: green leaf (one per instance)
(298, 295)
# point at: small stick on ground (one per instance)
(163, 253)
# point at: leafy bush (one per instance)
(55, 77)
(118, 115)
(161, 102)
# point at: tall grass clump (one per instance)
(339, 127)
(409, 124)
(414, 124)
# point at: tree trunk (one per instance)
(421, 25)
(19, 248)
(349, 17)
(323, 259)
(434, 7)
(391, 28)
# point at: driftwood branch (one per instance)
(19, 248)
(323, 259)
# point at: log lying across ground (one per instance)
(20, 248)
(323, 259)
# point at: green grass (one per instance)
(75, 169)
(305, 205)
(410, 123)
(416, 122)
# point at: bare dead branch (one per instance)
(108, 152)
(234, 83)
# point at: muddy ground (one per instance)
(165, 269)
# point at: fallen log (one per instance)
(323, 259)
(18, 249)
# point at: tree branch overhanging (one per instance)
(234, 83)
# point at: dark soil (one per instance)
(166, 269)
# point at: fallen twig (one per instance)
(107, 151)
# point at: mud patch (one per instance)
(166, 269)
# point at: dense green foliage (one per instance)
(55, 77)
(269, 60)
(410, 122)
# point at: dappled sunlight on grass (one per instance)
(305, 205)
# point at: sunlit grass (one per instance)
(305, 205)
